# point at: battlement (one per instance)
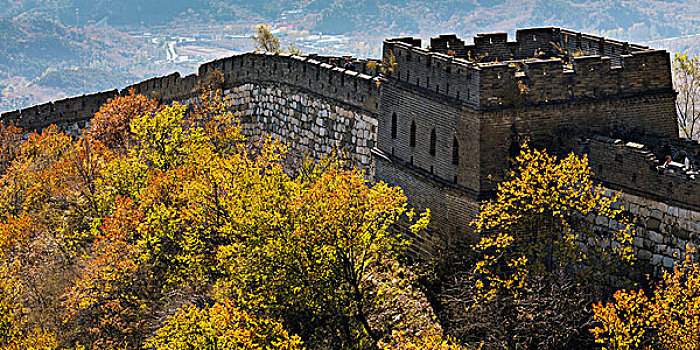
(321, 75)
(544, 66)
(532, 43)
(634, 168)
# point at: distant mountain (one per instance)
(636, 20)
(641, 19)
(49, 46)
(28, 47)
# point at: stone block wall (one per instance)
(612, 70)
(662, 231)
(500, 102)
(663, 202)
(533, 42)
(588, 78)
(310, 125)
(69, 112)
(409, 120)
(345, 86)
(436, 72)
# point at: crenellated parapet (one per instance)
(544, 66)
(634, 168)
(357, 88)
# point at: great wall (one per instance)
(444, 118)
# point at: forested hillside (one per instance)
(639, 19)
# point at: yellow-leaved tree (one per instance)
(221, 326)
(540, 259)
(667, 318)
(160, 207)
(542, 221)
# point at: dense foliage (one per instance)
(668, 317)
(163, 227)
(540, 262)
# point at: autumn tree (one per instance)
(268, 42)
(328, 257)
(427, 341)
(49, 202)
(221, 326)
(667, 318)
(10, 138)
(686, 79)
(111, 123)
(187, 212)
(539, 260)
(265, 40)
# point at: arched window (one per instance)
(412, 140)
(455, 151)
(393, 126)
(433, 140)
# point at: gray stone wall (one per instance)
(312, 126)
(662, 232)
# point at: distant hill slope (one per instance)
(636, 19)
(28, 47)
(632, 20)
(48, 47)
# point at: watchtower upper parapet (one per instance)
(543, 66)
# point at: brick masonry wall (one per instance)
(428, 112)
(451, 208)
(542, 125)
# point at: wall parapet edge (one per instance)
(357, 88)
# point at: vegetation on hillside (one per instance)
(175, 232)
(638, 20)
(667, 317)
(540, 263)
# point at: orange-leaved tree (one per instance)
(195, 215)
(666, 318)
(111, 124)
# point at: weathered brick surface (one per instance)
(452, 208)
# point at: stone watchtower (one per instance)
(451, 114)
